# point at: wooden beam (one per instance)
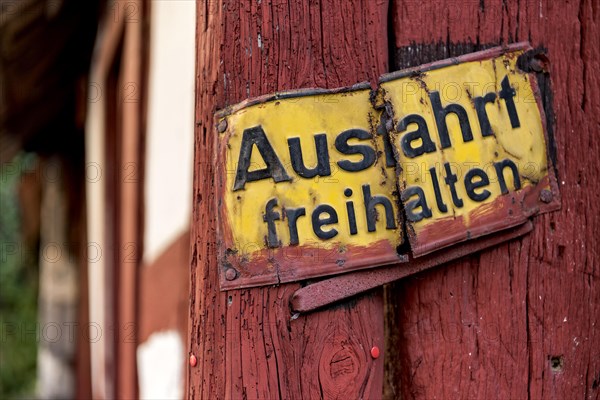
(519, 320)
(247, 342)
(132, 83)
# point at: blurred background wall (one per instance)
(96, 128)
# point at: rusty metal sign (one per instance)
(314, 183)
(306, 188)
(470, 140)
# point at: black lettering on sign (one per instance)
(292, 215)
(441, 113)
(438, 193)
(420, 202)
(270, 217)
(389, 151)
(422, 132)
(484, 121)
(318, 223)
(451, 180)
(471, 185)
(256, 136)
(341, 144)
(500, 166)
(371, 202)
(351, 213)
(507, 93)
(322, 168)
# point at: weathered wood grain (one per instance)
(246, 342)
(521, 320)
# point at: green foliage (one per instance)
(18, 291)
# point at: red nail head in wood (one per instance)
(375, 352)
(193, 360)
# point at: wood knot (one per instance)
(344, 362)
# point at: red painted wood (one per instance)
(516, 321)
(521, 320)
(247, 343)
(163, 291)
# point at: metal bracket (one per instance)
(341, 287)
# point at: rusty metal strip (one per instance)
(338, 288)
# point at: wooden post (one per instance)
(520, 320)
(247, 343)
(516, 321)
(131, 88)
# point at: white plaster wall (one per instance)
(160, 366)
(95, 181)
(170, 132)
(168, 173)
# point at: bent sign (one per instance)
(306, 190)
(470, 137)
(321, 182)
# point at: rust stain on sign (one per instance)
(318, 182)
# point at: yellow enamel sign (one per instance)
(309, 187)
(470, 141)
(319, 182)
